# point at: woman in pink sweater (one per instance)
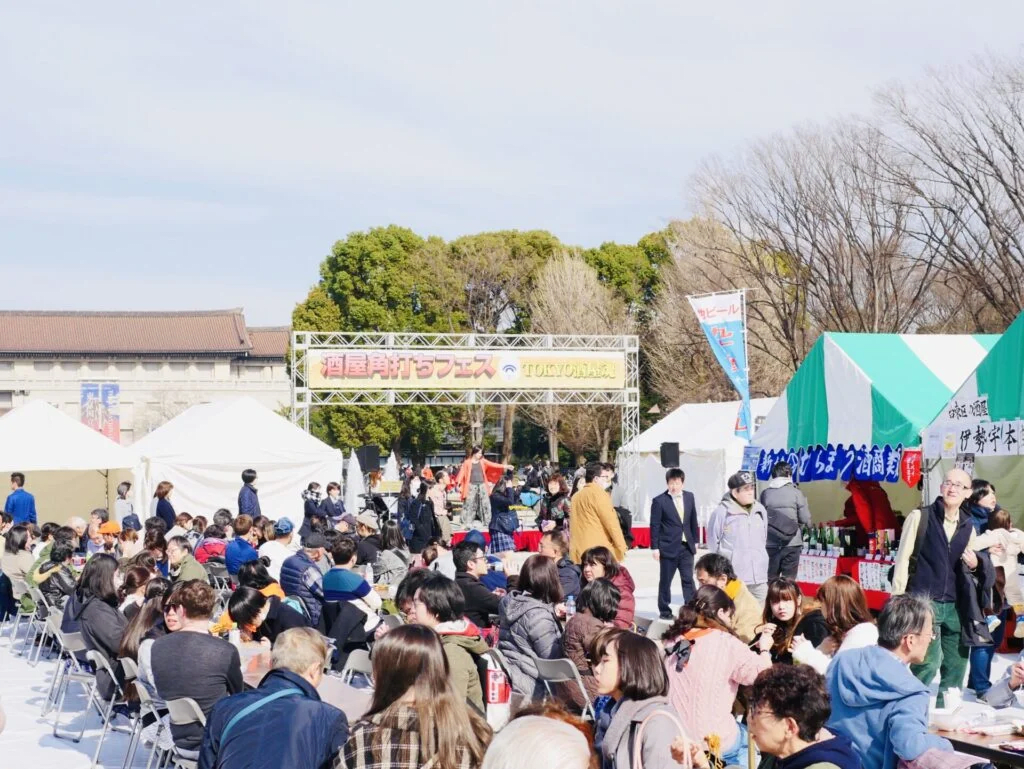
(706, 665)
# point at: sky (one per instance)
(198, 155)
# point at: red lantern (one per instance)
(910, 467)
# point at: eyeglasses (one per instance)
(955, 485)
(931, 636)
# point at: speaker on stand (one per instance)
(670, 454)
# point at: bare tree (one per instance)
(683, 368)
(569, 298)
(960, 139)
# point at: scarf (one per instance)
(310, 494)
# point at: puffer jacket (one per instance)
(102, 626)
(302, 578)
(462, 645)
(527, 629)
(741, 536)
(390, 567)
(56, 582)
(311, 731)
(783, 498)
(210, 547)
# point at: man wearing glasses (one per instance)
(932, 568)
(470, 565)
(594, 520)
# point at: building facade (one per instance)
(126, 373)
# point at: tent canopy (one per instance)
(870, 389)
(698, 427)
(37, 436)
(70, 468)
(204, 450)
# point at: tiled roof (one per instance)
(269, 341)
(124, 333)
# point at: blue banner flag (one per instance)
(722, 318)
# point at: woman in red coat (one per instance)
(599, 563)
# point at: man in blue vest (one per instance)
(944, 553)
(20, 504)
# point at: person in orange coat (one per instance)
(474, 480)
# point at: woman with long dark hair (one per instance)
(393, 559)
(18, 559)
(556, 505)
(94, 607)
(706, 665)
(786, 617)
(528, 626)
(848, 619)
(599, 563)
(131, 593)
(416, 719)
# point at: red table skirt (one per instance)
(529, 540)
(850, 567)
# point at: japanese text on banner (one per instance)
(722, 319)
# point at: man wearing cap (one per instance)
(109, 531)
(347, 525)
(280, 548)
(738, 529)
(302, 578)
(369, 538)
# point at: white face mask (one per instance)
(414, 487)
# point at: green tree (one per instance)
(384, 279)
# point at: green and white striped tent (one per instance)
(998, 383)
(870, 389)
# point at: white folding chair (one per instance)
(358, 662)
(642, 624)
(562, 671)
(19, 586)
(182, 712)
(99, 659)
(146, 709)
(657, 629)
(68, 644)
(391, 621)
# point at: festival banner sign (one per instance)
(101, 408)
(333, 369)
(723, 321)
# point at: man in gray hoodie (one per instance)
(787, 512)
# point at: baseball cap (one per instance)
(110, 527)
(349, 519)
(314, 540)
(284, 526)
(369, 520)
(740, 479)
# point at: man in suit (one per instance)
(674, 538)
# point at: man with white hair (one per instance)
(310, 732)
(928, 565)
(532, 741)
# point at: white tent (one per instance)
(70, 468)
(709, 451)
(204, 450)
(354, 487)
(391, 468)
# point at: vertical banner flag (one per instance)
(100, 408)
(723, 320)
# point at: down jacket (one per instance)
(102, 626)
(56, 582)
(783, 498)
(528, 629)
(579, 632)
(627, 602)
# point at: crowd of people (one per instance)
(746, 666)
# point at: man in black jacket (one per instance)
(674, 538)
(470, 565)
